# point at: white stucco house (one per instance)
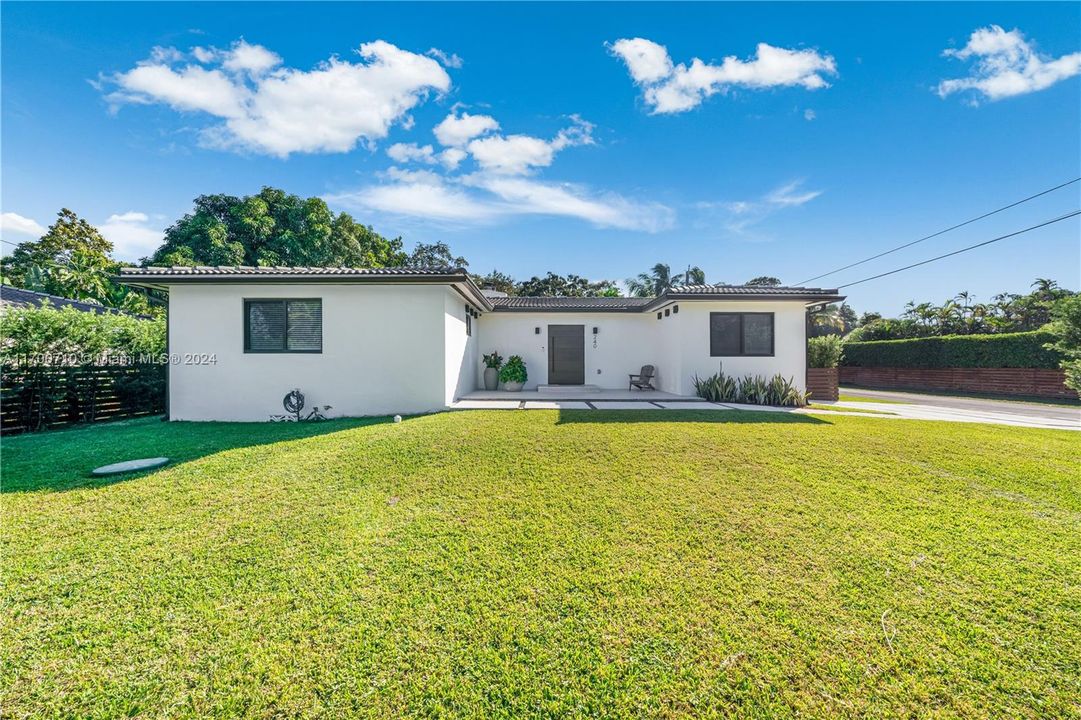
(406, 340)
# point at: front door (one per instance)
(566, 354)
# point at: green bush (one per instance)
(825, 351)
(47, 335)
(514, 370)
(1066, 329)
(1007, 350)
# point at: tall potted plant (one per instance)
(492, 362)
(513, 374)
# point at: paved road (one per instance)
(1007, 407)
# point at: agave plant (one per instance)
(755, 390)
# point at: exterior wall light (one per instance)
(667, 312)
(596, 330)
(660, 315)
(536, 331)
(675, 309)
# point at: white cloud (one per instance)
(253, 59)
(451, 60)
(519, 154)
(647, 61)
(411, 152)
(18, 225)
(419, 194)
(1006, 65)
(131, 235)
(457, 130)
(484, 198)
(809, 115)
(738, 217)
(670, 88)
(278, 110)
(452, 157)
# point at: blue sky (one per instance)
(582, 138)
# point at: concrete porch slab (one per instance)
(700, 405)
(486, 405)
(555, 405)
(624, 405)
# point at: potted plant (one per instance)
(513, 374)
(492, 362)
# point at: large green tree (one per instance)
(73, 260)
(435, 255)
(273, 228)
(553, 285)
(660, 278)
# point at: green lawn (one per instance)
(556, 564)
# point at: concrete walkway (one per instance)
(900, 411)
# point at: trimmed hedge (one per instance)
(1006, 350)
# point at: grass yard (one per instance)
(523, 564)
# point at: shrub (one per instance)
(825, 351)
(1017, 350)
(753, 390)
(514, 370)
(66, 336)
(889, 329)
(1066, 328)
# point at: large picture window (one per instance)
(283, 326)
(735, 334)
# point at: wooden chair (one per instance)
(643, 380)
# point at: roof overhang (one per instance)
(160, 280)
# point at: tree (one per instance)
(764, 281)
(73, 260)
(496, 280)
(435, 255)
(552, 285)
(273, 228)
(660, 278)
(1066, 324)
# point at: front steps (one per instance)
(567, 389)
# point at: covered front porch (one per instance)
(584, 397)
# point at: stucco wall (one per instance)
(790, 343)
(624, 343)
(461, 349)
(677, 344)
(383, 352)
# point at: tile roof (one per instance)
(19, 297)
(748, 290)
(183, 271)
(569, 303)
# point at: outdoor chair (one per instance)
(643, 380)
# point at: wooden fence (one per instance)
(41, 398)
(1035, 382)
(822, 383)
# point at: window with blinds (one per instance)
(283, 326)
(735, 334)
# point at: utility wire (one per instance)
(965, 249)
(942, 232)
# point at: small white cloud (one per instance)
(809, 115)
(670, 88)
(18, 225)
(452, 157)
(646, 61)
(131, 234)
(1007, 65)
(411, 152)
(419, 194)
(266, 108)
(738, 217)
(457, 130)
(451, 60)
(253, 59)
(519, 154)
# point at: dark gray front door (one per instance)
(566, 354)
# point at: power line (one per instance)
(942, 232)
(965, 249)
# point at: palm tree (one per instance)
(660, 278)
